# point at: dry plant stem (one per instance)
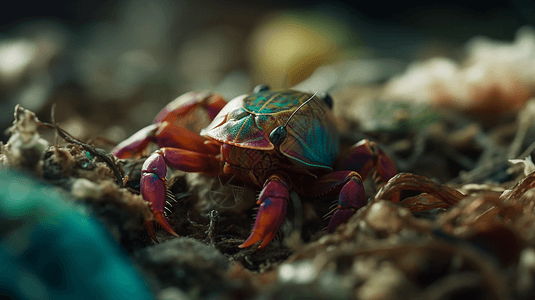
(423, 202)
(94, 151)
(492, 205)
(528, 150)
(490, 159)
(525, 120)
(510, 210)
(522, 187)
(211, 232)
(407, 181)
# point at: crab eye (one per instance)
(326, 98)
(261, 88)
(277, 136)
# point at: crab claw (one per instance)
(153, 190)
(352, 197)
(273, 201)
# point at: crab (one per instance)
(274, 140)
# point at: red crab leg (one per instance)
(176, 125)
(136, 143)
(183, 105)
(154, 170)
(273, 201)
(165, 135)
(348, 186)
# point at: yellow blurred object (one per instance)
(286, 48)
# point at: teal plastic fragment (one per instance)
(49, 250)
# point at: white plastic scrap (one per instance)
(491, 68)
(529, 166)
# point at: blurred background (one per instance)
(110, 66)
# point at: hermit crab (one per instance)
(274, 140)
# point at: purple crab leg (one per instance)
(153, 188)
(351, 199)
(363, 157)
(347, 185)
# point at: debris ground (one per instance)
(464, 225)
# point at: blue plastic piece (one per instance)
(49, 250)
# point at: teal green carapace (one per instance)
(271, 102)
(49, 250)
(312, 141)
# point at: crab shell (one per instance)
(312, 141)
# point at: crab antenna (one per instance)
(303, 104)
(277, 136)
